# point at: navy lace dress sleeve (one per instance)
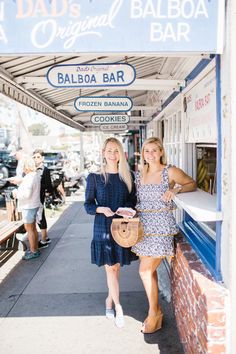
(113, 194)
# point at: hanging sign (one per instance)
(201, 121)
(110, 119)
(114, 26)
(113, 127)
(103, 104)
(91, 75)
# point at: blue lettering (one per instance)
(120, 75)
(80, 79)
(67, 79)
(105, 78)
(60, 79)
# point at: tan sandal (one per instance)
(152, 323)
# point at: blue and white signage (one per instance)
(101, 26)
(113, 127)
(103, 104)
(91, 75)
(110, 119)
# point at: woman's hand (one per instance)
(170, 194)
(105, 210)
(126, 212)
(14, 193)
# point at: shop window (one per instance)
(206, 178)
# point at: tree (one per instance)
(38, 129)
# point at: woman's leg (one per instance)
(148, 273)
(32, 236)
(113, 275)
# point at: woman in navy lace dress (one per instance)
(105, 193)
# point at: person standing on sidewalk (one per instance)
(105, 193)
(19, 155)
(157, 184)
(46, 189)
(28, 196)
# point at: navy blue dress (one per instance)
(113, 194)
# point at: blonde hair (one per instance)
(29, 164)
(159, 144)
(123, 168)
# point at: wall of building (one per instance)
(200, 303)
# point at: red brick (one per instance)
(216, 333)
(214, 302)
(185, 247)
(202, 340)
(216, 348)
(190, 297)
(216, 318)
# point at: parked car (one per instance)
(53, 160)
(9, 162)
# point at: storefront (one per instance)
(196, 124)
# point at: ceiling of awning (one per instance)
(23, 78)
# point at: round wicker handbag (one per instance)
(127, 231)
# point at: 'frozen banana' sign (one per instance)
(103, 104)
(100, 26)
(90, 75)
(110, 119)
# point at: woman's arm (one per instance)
(90, 203)
(132, 197)
(25, 188)
(184, 183)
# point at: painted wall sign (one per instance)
(113, 127)
(91, 75)
(101, 26)
(110, 119)
(103, 104)
(201, 119)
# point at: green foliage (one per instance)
(39, 129)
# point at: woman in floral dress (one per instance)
(157, 183)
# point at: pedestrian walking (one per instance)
(157, 184)
(28, 196)
(46, 189)
(106, 192)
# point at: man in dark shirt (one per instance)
(46, 189)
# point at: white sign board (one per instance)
(110, 119)
(91, 75)
(103, 104)
(114, 26)
(201, 120)
(113, 127)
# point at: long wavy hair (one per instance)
(159, 144)
(123, 168)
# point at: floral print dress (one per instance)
(157, 218)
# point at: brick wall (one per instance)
(199, 303)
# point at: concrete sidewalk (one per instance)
(55, 304)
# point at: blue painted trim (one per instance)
(194, 73)
(218, 163)
(202, 244)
